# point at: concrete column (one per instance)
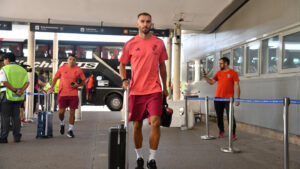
(54, 63)
(169, 63)
(30, 61)
(176, 62)
(197, 70)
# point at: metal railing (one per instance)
(286, 102)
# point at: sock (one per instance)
(152, 154)
(62, 122)
(71, 127)
(138, 153)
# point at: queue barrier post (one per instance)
(286, 133)
(230, 148)
(207, 136)
(185, 125)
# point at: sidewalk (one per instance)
(177, 149)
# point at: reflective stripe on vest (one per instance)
(16, 77)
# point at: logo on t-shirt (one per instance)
(228, 76)
(154, 47)
(137, 49)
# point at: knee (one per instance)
(155, 123)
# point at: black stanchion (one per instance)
(286, 133)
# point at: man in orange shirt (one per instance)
(68, 91)
(227, 80)
(146, 54)
(89, 85)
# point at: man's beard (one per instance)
(222, 68)
(146, 31)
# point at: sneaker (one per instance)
(24, 121)
(234, 137)
(17, 138)
(221, 134)
(70, 134)
(140, 163)
(62, 129)
(151, 164)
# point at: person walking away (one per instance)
(89, 85)
(68, 92)
(15, 81)
(227, 79)
(147, 55)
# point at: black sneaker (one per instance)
(70, 134)
(140, 163)
(151, 164)
(17, 138)
(62, 129)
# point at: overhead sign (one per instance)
(42, 27)
(4, 25)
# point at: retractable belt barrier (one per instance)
(286, 102)
(36, 94)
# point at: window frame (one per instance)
(246, 74)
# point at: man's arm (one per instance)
(123, 76)
(208, 80)
(53, 84)
(163, 75)
(238, 91)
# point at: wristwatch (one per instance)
(124, 80)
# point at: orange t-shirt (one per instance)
(225, 87)
(145, 55)
(89, 82)
(68, 75)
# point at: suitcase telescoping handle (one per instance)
(126, 96)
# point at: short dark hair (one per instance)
(10, 56)
(1, 52)
(72, 55)
(225, 59)
(145, 14)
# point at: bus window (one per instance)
(14, 48)
(42, 51)
(86, 52)
(64, 50)
(111, 52)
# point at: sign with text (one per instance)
(42, 27)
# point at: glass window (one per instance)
(269, 55)
(202, 66)
(86, 52)
(111, 52)
(238, 60)
(226, 55)
(252, 58)
(42, 50)
(65, 50)
(291, 46)
(191, 72)
(14, 48)
(209, 66)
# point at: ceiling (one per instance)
(192, 14)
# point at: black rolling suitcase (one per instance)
(118, 139)
(45, 119)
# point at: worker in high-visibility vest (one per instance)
(56, 91)
(15, 81)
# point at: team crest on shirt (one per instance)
(137, 49)
(228, 75)
(154, 47)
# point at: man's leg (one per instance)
(5, 119)
(16, 120)
(61, 115)
(155, 132)
(138, 142)
(219, 111)
(227, 113)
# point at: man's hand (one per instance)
(75, 85)
(125, 84)
(19, 92)
(237, 103)
(50, 90)
(204, 74)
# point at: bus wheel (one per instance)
(114, 102)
